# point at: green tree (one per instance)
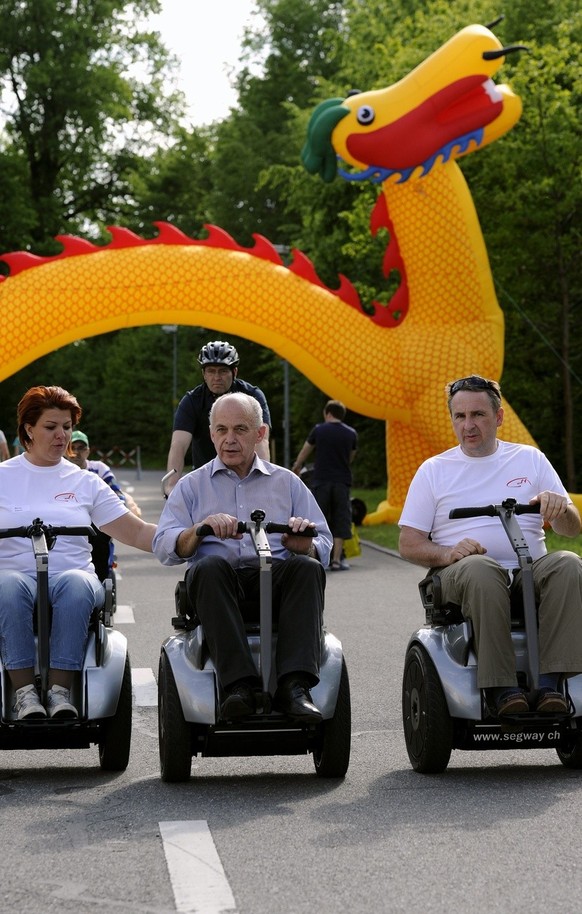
(528, 194)
(298, 45)
(76, 111)
(174, 184)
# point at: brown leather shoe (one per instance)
(551, 702)
(512, 702)
(294, 699)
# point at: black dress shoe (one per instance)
(293, 699)
(239, 702)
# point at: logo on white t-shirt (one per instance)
(66, 496)
(518, 482)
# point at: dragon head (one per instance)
(445, 108)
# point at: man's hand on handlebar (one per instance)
(300, 544)
(297, 534)
(552, 505)
(224, 526)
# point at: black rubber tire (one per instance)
(332, 754)
(428, 728)
(174, 734)
(572, 758)
(113, 577)
(115, 732)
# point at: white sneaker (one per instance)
(27, 704)
(58, 702)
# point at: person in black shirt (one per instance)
(335, 447)
(219, 362)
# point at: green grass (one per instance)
(386, 535)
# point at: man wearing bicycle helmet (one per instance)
(219, 363)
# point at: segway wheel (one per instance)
(111, 574)
(572, 758)
(175, 738)
(428, 728)
(332, 754)
(115, 735)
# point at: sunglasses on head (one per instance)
(472, 382)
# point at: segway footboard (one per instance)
(446, 655)
(195, 681)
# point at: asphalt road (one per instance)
(498, 831)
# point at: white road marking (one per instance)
(123, 615)
(144, 687)
(198, 880)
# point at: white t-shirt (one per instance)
(453, 480)
(59, 495)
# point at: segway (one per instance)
(188, 690)
(101, 691)
(442, 706)
(104, 562)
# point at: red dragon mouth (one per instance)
(465, 106)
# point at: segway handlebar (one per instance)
(284, 528)
(37, 528)
(495, 510)
(16, 531)
(270, 527)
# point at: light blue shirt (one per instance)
(214, 488)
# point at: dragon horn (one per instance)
(318, 155)
(503, 52)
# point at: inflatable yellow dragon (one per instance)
(443, 322)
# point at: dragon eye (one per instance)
(366, 115)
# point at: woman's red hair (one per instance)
(38, 399)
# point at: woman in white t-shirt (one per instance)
(42, 483)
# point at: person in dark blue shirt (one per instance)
(219, 361)
(335, 446)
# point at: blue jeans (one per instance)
(73, 595)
